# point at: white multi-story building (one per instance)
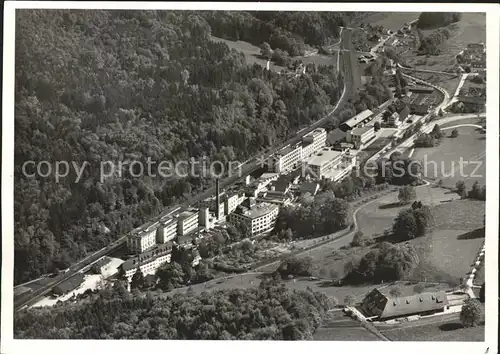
(359, 136)
(142, 238)
(167, 230)
(148, 262)
(323, 161)
(232, 201)
(286, 159)
(313, 141)
(187, 222)
(258, 217)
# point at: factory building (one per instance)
(360, 136)
(259, 217)
(167, 230)
(313, 141)
(187, 222)
(148, 262)
(286, 159)
(356, 120)
(142, 238)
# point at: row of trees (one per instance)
(266, 313)
(431, 139)
(123, 86)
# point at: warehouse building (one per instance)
(356, 120)
(68, 285)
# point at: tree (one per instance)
(266, 51)
(454, 133)
(470, 315)
(436, 132)
(406, 194)
(418, 288)
(405, 225)
(360, 239)
(137, 281)
(376, 126)
(461, 188)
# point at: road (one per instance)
(352, 81)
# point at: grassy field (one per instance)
(447, 329)
(442, 162)
(392, 20)
(252, 55)
(470, 29)
(337, 326)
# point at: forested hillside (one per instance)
(288, 31)
(267, 313)
(121, 86)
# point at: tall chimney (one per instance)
(217, 201)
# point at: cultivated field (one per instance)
(442, 162)
(470, 29)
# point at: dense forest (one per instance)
(95, 86)
(269, 312)
(429, 20)
(292, 32)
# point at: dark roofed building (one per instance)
(472, 100)
(385, 307)
(336, 136)
(68, 285)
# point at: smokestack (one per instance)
(217, 201)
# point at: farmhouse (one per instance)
(384, 307)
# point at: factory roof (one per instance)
(186, 214)
(69, 284)
(358, 118)
(148, 256)
(257, 210)
(361, 130)
(323, 156)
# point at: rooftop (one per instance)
(323, 156)
(150, 226)
(406, 305)
(147, 256)
(186, 214)
(361, 131)
(358, 118)
(71, 283)
(257, 210)
(286, 150)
